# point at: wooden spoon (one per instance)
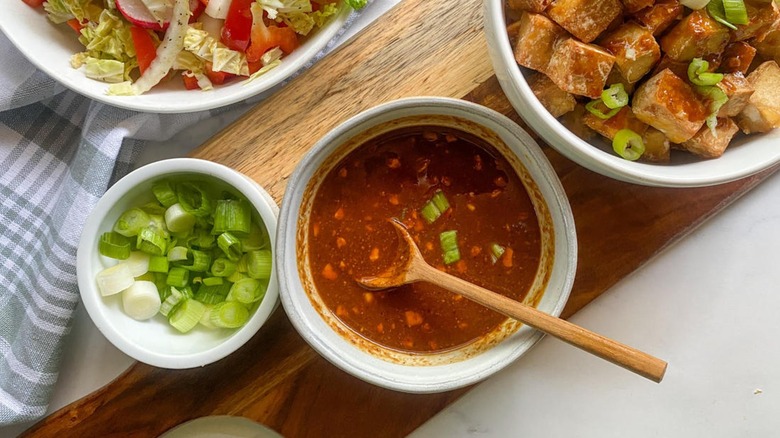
(412, 268)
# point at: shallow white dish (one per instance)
(154, 341)
(424, 373)
(744, 157)
(50, 46)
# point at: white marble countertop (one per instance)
(708, 305)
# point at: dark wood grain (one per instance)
(419, 48)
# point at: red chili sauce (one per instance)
(394, 176)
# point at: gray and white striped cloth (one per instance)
(59, 152)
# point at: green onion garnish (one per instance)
(173, 298)
(232, 215)
(496, 251)
(187, 315)
(223, 267)
(152, 240)
(201, 239)
(178, 277)
(164, 193)
(198, 261)
(717, 98)
(213, 294)
(440, 201)
(735, 11)
(449, 245)
(628, 144)
(115, 245)
(229, 314)
(230, 245)
(153, 208)
(159, 264)
(717, 11)
(178, 253)
(592, 108)
(255, 239)
(246, 291)
(131, 222)
(178, 220)
(435, 207)
(698, 73)
(259, 263)
(615, 96)
(213, 281)
(194, 199)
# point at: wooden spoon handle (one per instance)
(627, 357)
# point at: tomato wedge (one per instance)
(190, 82)
(75, 24)
(216, 77)
(265, 38)
(145, 49)
(34, 3)
(238, 25)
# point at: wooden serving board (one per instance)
(433, 47)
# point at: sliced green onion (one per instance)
(158, 264)
(242, 264)
(256, 239)
(496, 251)
(232, 215)
(246, 291)
(138, 263)
(213, 281)
(205, 320)
(449, 245)
(230, 245)
(178, 220)
(229, 314)
(115, 279)
(131, 222)
(149, 276)
(717, 99)
(628, 144)
(198, 261)
(718, 13)
(152, 240)
(141, 301)
(735, 11)
(164, 193)
(259, 263)
(171, 301)
(440, 201)
(187, 315)
(153, 208)
(592, 108)
(236, 276)
(213, 294)
(159, 281)
(178, 277)
(114, 245)
(698, 73)
(178, 253)
(223, 267)
(201, 239)
(615, 96)
(194, 199)
(429, 212)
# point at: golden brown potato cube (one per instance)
(737, 57)
(615, 77)
(769, 47)
(580, 68)
(762, 113)
(535, 36)
(657, 146)
(660, 16)
(709, 144)
(585, 19)
(624, 119)
(573, 121)
(695, 36)
(632, 6)
(529, 5)
(557, 101)
(761, 19)
(738, 90)
(635, 50)
(668, 104)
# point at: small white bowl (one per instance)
(424, 373)
(154, 341)
(745, 156)
(50, 46)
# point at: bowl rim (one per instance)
(357, 364)
(281, 73)
(519, 93)
(267, 209)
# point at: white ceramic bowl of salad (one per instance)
(155, 341)
(746, 155)
(50, 46)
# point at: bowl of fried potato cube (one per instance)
(672, 93)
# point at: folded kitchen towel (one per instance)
(59, 152)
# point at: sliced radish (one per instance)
(136, 12)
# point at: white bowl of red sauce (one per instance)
(444, 168)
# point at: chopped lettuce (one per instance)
(203, 45)
(60, 11)
(298, 14)
(321, 16)
(265, 69)
(270, 59)
(356, 4)
(121, 89)
(107, 70)
(108, 38)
